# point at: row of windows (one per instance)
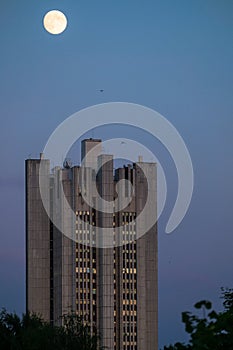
(86, 302)
(129, 270)
(81, 248)
(129, 285)
(129, 263)
(85, 270)
(130, 327)
(86, 256)
(129, 294)
(128, 222)
(128, 214)
(85, 291)
(129, 318)
(85, 263)
(129, 312)
(85, 315)
(129, 251)
(129, 343)
(83, 213)
(85, 280)
(132, 278)
(129, 308)
(129, 302)
(86, 231)
(114, 214)
(83, 284)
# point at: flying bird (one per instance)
(101, 90)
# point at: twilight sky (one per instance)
(173, 56)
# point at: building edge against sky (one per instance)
(114, 289)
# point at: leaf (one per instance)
(213, 315)
(207, 304)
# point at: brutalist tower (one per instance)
(94, 262)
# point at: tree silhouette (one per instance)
(32, 333)
(213, 331)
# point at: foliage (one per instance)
(32, 333)
(212, 331)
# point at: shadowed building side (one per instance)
(37, 242)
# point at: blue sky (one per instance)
(173, 56)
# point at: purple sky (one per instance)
(174, 57)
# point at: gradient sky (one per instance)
(173, 56)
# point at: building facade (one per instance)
(109, 280)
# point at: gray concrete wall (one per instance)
(105, 257)
(147, 264)
(37, 242)
(64, 253)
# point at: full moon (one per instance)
(55, 22)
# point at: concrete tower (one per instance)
(110, 281)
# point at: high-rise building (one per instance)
(108, 279)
